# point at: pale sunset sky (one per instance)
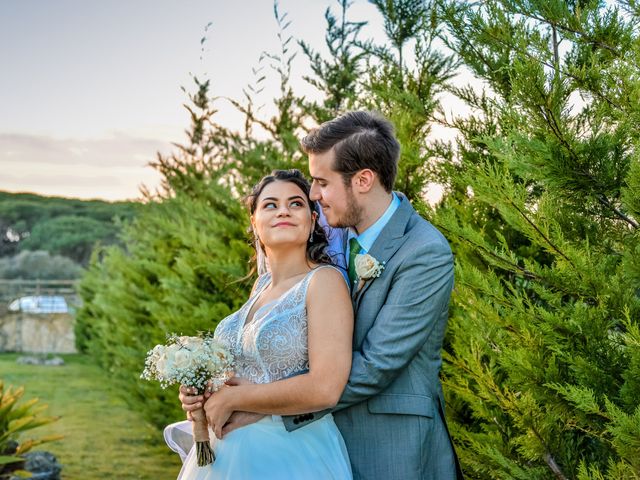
(90, 90)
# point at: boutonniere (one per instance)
(367, 268)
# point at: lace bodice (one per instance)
(273, 345)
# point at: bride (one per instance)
(292, 346)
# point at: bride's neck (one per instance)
(287, 263)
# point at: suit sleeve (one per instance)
(420, 291)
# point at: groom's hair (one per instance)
(360, 140)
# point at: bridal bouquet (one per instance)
(196, 362)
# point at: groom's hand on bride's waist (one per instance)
(240, 419)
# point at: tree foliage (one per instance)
(543, 350)
(187, 253)
(39, 265)
(61, 226)
(541, 206)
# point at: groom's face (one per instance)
(338, 202)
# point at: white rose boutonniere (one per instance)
(367, 267)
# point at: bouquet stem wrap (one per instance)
(201, 437)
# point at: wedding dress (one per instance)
(270, 347)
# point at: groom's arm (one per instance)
(420, 291)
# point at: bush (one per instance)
(543, 360)
(39, 265)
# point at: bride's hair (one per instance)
(316, 248)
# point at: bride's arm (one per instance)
(330, 330)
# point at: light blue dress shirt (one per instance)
(367, 238)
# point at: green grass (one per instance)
(103, 437)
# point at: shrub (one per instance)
(15, 420)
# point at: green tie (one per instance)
(354, 249)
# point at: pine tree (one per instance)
(404, 83)
(178, 273)
(185, 264)
(542, 211)
(337, 76)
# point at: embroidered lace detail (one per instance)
(273, 345)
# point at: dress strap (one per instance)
(262, 281)
(307, 279)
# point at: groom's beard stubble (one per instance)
(352, 215)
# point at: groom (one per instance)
(391, 413)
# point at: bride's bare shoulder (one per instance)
(327, 280)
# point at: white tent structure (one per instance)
(40, 304)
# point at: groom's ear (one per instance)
(363, 180)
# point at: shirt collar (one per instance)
(367, 238)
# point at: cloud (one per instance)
(119, 184)
(118, 150)
(110, 168)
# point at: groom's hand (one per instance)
(240, 419)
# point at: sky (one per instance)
(90, 91)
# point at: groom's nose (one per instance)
(314, 193)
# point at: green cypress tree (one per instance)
(542, 211)
(337, 76)
(404, 83)
(179, 271)
(187, 250)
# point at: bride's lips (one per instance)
(284, 224)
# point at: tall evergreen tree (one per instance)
(337, 76)
(186, 257)
(542, 211)
(179, 270)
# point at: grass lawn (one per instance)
(103, 437)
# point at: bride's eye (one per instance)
(296, 203)
(269, 205)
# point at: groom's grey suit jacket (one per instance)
(391, 413)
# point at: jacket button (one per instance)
(296, 421)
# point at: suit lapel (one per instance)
(387, 243)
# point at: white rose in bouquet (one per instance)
(182, 359)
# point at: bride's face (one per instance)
(282, 215)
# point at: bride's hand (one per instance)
(219, 408)
(190, 401)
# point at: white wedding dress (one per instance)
(271, 347)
